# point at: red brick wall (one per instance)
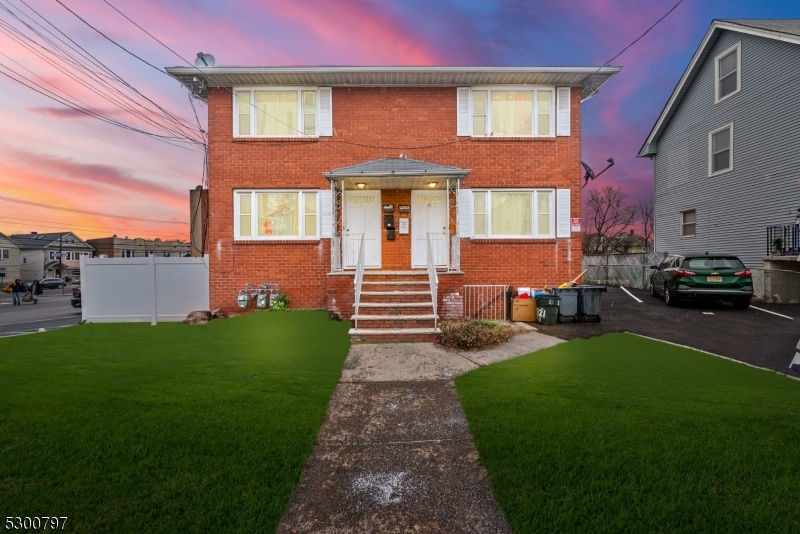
(419, 122)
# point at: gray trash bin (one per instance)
(568, 309)
(589, 301)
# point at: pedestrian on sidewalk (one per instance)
(36, 290)
(17, 290)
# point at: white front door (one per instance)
(362, 215)
(429, 216)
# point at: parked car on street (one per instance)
(702, 277)
(52, 283)
(76, 297)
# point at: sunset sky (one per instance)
(50, 154)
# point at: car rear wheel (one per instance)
(652, 289)
(669, 297)
(61, 286)
(741, 304)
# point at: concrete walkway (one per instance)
(394, 453)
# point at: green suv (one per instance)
(705, 277)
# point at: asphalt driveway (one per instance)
(753, 336)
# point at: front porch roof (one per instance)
(397, 173)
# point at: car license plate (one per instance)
(714, 278)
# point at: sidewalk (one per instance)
(394, 453)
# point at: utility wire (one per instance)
(110, 39)
(179, 122)
(79, 109)
(74, 62)
(85, 212)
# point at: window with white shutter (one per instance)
(563, 118)
(325, 112)
(463, 127)
(326, 214)
(562, 213)
(464, 216)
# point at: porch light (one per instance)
(432, 184)
(361, 186)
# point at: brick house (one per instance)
(402, 184)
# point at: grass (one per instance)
(624, 434)
(172, 428)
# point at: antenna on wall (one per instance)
(590, 175)
(204, 60)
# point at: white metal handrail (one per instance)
(433, 280)
(359, 278)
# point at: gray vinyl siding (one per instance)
(734, 208)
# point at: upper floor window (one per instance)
(720, 150)
(4, 253)
(728, 72)
(128, 253)
(281, 112)
(688, 223)
(274, 214)
(512, 112)
(514, 214)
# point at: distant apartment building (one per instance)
(123, 247)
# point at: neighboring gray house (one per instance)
(9, 259)
(40, 255)
(726, 147)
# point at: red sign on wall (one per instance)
(576, 224)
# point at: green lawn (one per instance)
(168, 428)
(624, 434)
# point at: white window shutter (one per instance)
(325, 214)
(463, 112)
(562, 213)
(325, 112)
(464, 213)
(562, 117)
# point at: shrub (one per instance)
(280, 303)
(473, 334)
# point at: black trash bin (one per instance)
(568, 308)
(547, 309)
(589, 302)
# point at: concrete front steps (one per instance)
(395, 306)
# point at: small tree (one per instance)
(645, 214)
(607, 216)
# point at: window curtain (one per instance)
(511, 213)
(277, 113)
(277, 214)
(512, 112)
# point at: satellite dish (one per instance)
(204, 60)
(590, 175)
(589, 171)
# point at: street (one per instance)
(52, 311)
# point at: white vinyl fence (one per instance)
(117, 290)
